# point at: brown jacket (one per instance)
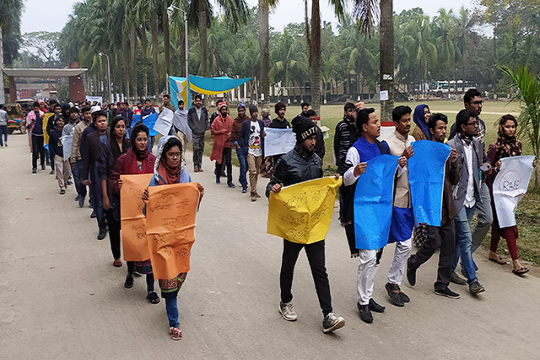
(451, 178)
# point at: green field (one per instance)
(528, 213)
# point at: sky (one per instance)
(288, 11)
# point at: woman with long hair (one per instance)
(137, 160)
(506, 145)
(170, 169)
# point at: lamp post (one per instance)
(108, 76)
(171, 8)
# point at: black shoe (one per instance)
(34, 170)
(376, 307)
(223, 175)
(456, 279)
(129, 282)
(231, 185)
(365, 313)
(77, 198)
(395, 297)
(404, 297)
(42, 167)
(411, 272)
(447, 292)
(93, 214)
(102, 234)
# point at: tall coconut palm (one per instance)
(264, 49)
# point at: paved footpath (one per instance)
(61, 298)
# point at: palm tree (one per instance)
(264, 49)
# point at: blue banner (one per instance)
(373, 203)
(150, 121)
(426, 179)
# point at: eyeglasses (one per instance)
(477, 102)
(475, 123)
(174, 155)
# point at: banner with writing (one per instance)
(278, 141)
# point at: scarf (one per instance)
(140, 154)
(164, 174)
(221, 141)
(419, 119)
(506, 146)
(131, 167)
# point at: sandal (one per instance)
(176, 334)
(499, 261)
(117, 263)
(153, 298)
(129, 282)
(62, 192)
(521, 271)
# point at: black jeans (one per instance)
(225, 161)
(114, 233)
(149, 277)
(37, 151)
(443, 238)
(316, 258)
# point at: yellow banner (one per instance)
(170, 227)
(45, 121)
(133, 222)
(302, 212)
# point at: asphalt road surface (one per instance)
(61, 298)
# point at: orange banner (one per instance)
(134, 241)
(170, 227)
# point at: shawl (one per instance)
(506, 146)
(221, 141)
(141, 155)
(180, 121)
(163, 174)
(131, 167)
(419, 119)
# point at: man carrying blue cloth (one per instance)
(364, 149)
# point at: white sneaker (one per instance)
(332, 322)
(287, 311)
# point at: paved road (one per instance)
(61, 298)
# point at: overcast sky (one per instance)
(54, 15)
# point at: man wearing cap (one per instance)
(241, 148)
(251, 138)
(302, 164)
(221, 151)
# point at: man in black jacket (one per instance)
(198, 123)
(302, 164)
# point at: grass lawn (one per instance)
(528, 212)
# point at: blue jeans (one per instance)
(462, 222)
(172, 311)
(151, 140)
(97, 203)
(241, 154)
(4, 131)
(77, 171)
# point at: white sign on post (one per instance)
(278, 141)
(164, 122)
(509, 187)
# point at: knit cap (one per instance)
(303, 128)
(253, 108)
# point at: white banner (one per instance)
(99, 99)
(509, 187)
(164, 122)
(66, 145)
(278, 141)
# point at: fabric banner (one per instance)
(426, 179)
(180, 121)
(509, 187)
(179, 91)
(164, 122)
(278, 141)
(170, 227)
(136, 119)
(99, 99)
(133, 222)
(302, 212)
(373, 203)
(150, 121)
(67, 140)
(45, 120)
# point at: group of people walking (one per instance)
(101, 152)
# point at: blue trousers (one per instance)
(172, 311)
(463, 245)
(242, 158)
(3, 131)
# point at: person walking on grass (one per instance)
(440, 237)
(168, 170)
(137, 160)
(302, 164)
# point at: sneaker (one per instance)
(332, 322)
(218, 181)
(447, 292)
(93, 215)
(129, 282)
(456, 279)
(69, 182)
(175, 333)
(476, 288)
(81, 201)
(42, 167)
(253, 197)
(77, 198)
(244, 190)
(34, 170)
(287, 311)
(102, 234)
(230, 184)
(411, 272)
